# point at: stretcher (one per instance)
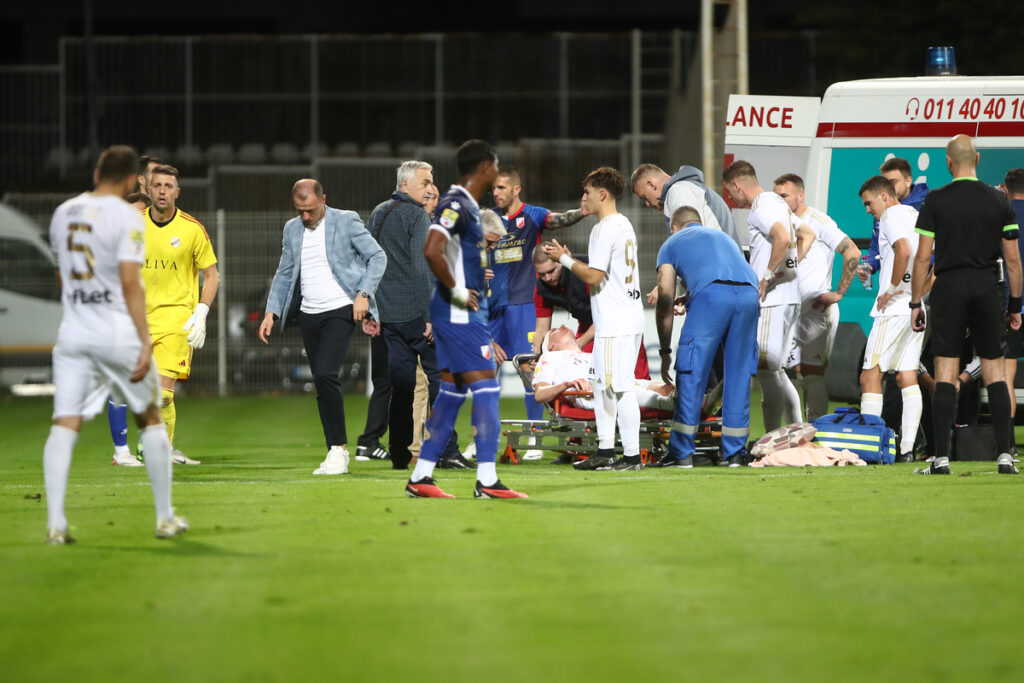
(572, 431)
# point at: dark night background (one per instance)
(862, 39)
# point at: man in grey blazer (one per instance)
(340, 266)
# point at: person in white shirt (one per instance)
(563, 366)
(819, 303)
(775, 249)
(617, 307)
(103, 344)
(892, 345)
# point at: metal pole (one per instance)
(742, 70)
(634, 152)
(189, 87)
(90, 68)
(563, 85)
(314, 92)
(222, 311)
(63, 108)
(707, 88)
(438, 89)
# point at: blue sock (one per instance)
(534, 410)
(442, 420)
(485, 419)
(117, 416)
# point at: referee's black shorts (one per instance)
(964, 299)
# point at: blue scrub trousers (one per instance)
(719, 313)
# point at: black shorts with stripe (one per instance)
(967, 299)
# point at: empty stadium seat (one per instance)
(312, 150)
(220, 153)
(252, 153)
(188, 155)
(284, 153)
(408, 150)
(378, 149)
(346, 149)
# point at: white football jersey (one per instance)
(815, 272)
(897, 222)
(556, 367)
(616, 303)
(768, 209)
(91, 235)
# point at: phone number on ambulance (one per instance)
(990, 108)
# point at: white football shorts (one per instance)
(813, 335)
(775, 328)
(84, 375)
(613, 362)
(893, 345)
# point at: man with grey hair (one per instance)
(400, 226)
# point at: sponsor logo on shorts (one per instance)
(485, 351)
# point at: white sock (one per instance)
(487, 473)
(871, 404)
(779, 400)
(604, 415)
(424, 468)
(56, 465)
(158, 466)
(629, 423)
(912, 406)
(121, 450)
(815, 396)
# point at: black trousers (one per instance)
(326, 337)
(380, 399)
(405, 344)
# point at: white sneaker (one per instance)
(470, 452)
(58, 537)
(533, 454)
(336, 462)
(169, 528)
(126, 459)
(179, 458)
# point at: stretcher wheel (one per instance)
(509, 456)
(647, 458)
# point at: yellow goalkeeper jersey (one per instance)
(175, 253)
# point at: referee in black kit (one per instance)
(970, 226)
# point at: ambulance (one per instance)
(837, 143)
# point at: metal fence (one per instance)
(244, 208)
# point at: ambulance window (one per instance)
(26, 271)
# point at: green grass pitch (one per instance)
(847, 574)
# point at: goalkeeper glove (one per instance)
(196, 326)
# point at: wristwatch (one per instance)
(363, 294)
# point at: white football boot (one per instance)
(336, 462)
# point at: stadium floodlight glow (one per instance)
(941, 61)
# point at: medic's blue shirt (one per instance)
(516, 250)
(458, 217)
(703, 255)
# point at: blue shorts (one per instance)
(520, 322)
(496, 323)
(462, 347)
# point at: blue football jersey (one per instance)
(497, 287)
(458, 216)
(516, 249)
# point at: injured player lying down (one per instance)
(563, 367)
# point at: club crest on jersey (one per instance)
(520, 222)
(175, 242)
(485, 351)
(449, 217)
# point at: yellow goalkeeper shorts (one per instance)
(173, 355)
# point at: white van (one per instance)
(29, 301)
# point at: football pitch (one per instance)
(709, 574)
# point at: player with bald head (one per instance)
(968, 225)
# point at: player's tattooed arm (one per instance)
(563, 220)
(851, 259)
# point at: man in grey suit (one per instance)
(340, 266)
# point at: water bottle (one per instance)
(869, 283)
